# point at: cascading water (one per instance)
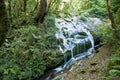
(72, 36)
(74, 41)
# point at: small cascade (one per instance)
(73, 37)
(75, 41)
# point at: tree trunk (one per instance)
(10, 14)
(25, 5)
(110, 14)
(42, 11)
(4, 22)
(113, 24)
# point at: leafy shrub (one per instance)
(114, 66)
(109, 38)
(28, 52)
(97, 11)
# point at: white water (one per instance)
(69, 31)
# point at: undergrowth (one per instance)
(110, 39)
(28, 51)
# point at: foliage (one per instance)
(108, 35)
(31, 50)
(115, 5)
(17, 13)
(97, 8)
(110, 39)
(114, 65)
(72, 7)
(26, 54)
(53, 6)
(20, 56)
(117, 17)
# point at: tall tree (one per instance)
(42, 11)
(4, 22)
(110, 14)
(113, 24)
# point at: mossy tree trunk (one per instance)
(113, 24)
(110, 14)
(4, 22)
(42, 12)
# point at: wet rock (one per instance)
(76, 39)
(82, 33)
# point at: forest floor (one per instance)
(92, 68)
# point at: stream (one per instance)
(74, 40)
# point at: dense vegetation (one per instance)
(111, 37)
(30, 48)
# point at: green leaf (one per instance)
(114, 73)
(6, 71)
(13, 71)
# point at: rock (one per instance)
(94, 24)
(75, 39)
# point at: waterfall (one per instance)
(73, 36)
(74, 41)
